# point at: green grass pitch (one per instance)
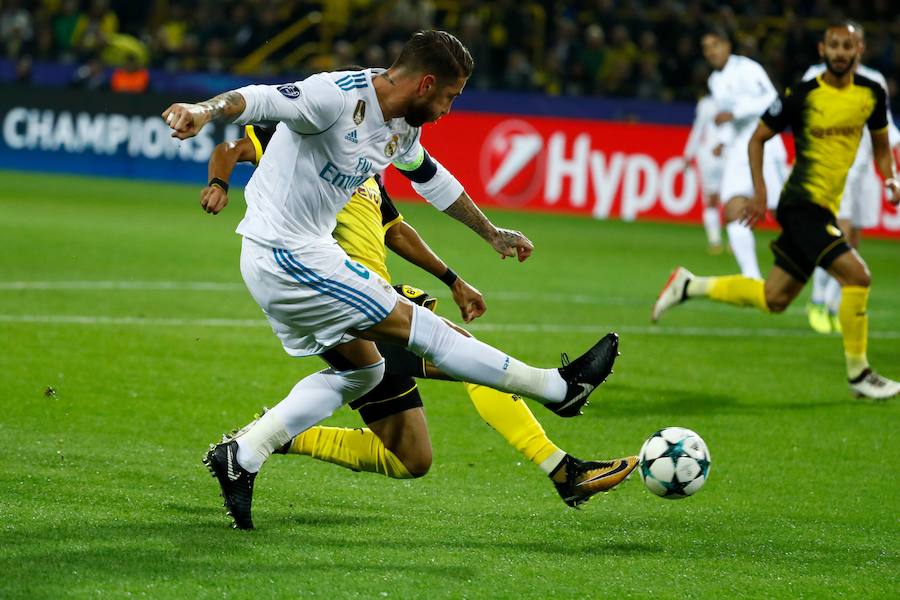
(126, 300)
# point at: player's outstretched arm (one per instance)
(405, 241)
(505, 241)
(884, 160)
(214, 197)
(186, 120)
(755, 211)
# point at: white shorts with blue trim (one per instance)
(313, 296)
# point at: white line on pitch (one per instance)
(605, 300)
(487, 327)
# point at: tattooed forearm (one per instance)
(224, 107)
(465, 211)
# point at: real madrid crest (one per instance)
(391, 147)
(360, 113)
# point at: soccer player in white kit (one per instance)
(336, 130)
(742, 92)
(705, 149)
(860, 206)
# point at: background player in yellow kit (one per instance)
(827, 115)
(396, 442)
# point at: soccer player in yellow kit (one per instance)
(827, 115)
(396, 442)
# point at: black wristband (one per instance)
(219, 182)
(449, 277)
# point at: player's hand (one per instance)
(512, 243)
(213, 199)
(724, 117)
(754, 211)
(892, 186)
(468, 299)
(186, 120)
(717, 151)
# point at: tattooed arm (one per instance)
(504, 241)
(188, 119)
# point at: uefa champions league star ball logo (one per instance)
(512, 162)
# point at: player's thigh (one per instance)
(734, 208)
(850, 269)
(356, 354)
(395, 328)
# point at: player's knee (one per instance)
(358, 382)
(417, 461)
(862, 278)
(777, 303)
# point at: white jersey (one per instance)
(330, 138)
(702, 139)
(742, 88)
(865, 154)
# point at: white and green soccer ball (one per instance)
(674, 463)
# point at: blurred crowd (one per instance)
(646, 49)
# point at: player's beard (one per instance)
(840, 72)
(419, 114)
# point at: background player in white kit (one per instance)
(860, 206)
(336, 130)
(742, 92)
(704, 148)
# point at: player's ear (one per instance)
(427, 84)
(821, 46)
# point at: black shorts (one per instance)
(397, 391)
(810, 238)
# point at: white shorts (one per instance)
(710, 175)
(736, 177)
(314, 295)
(861, 202)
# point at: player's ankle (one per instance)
(697, 287)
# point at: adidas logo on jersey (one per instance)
(351, 137)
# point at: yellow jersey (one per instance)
(827, 123)
(363, 221)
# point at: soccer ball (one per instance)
(674, 463)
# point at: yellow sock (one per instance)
(356, 449)
(737, 289)
(855, 325)
(512, 419)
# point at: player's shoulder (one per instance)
(800, 89)
(349, 81)
(865, 82)
(873, 74)
(745, 62)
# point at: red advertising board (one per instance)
(593, 168)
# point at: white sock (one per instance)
(468, 359)
(743, 245)
(819, 285)
(313, 399)
(551, 462)
(833, 295)
(698, 287)
(712, 222)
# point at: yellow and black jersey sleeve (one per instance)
(390, 216)
(787, 110)
(878, 120)
(260, 136)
